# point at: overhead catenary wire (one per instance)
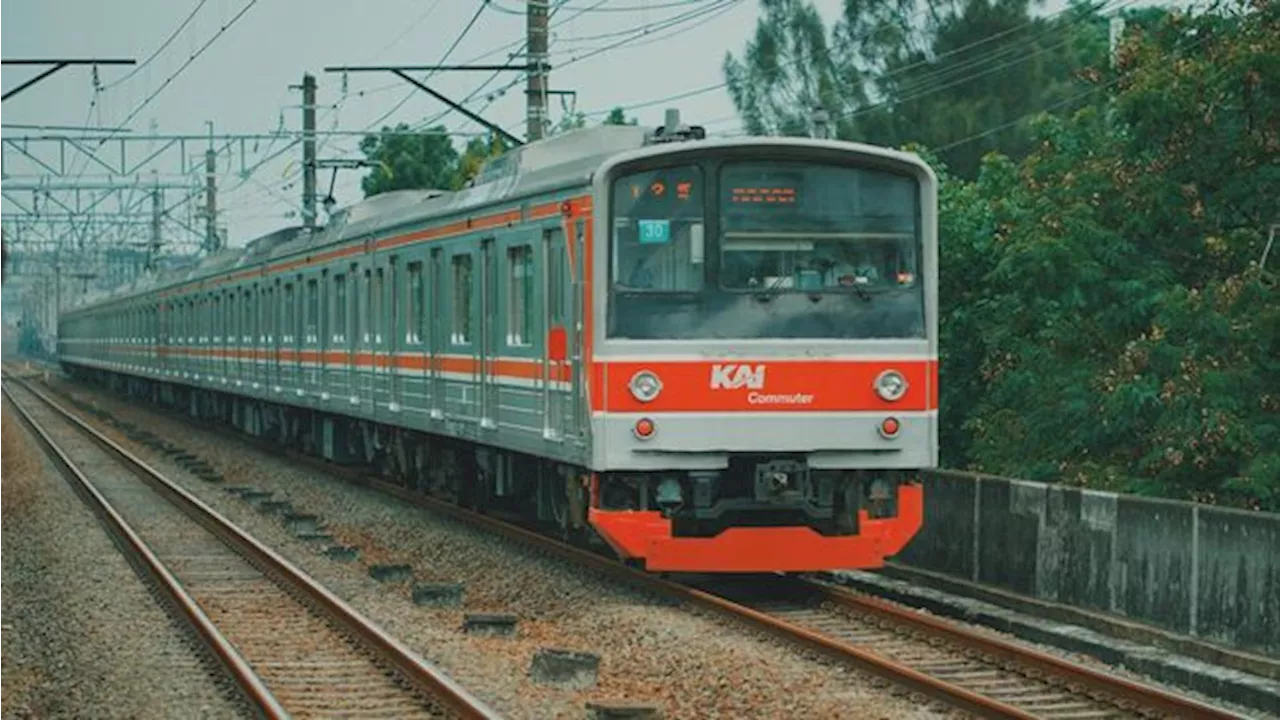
(191, 59)
(172, 36)
(1099, 6)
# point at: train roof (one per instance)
(554, 163)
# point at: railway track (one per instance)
(943, 660)
(1000, 678)
(293, 648)
(969, 670)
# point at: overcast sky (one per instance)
(241, 82)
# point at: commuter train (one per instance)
(710, 355)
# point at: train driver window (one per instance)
(658, 231)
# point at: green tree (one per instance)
(618, 116)
(897, 71)
(1105, 320)
(478, 150)
(409, 161)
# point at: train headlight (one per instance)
(891, 386)
(645, 386)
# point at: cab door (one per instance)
(575, 414)
(555, 357)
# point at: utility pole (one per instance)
(308, 150)
(211, 243)
(536, 89)
(157, 212)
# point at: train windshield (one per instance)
(772, 249)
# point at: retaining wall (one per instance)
(1209, 572)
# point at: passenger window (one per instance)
(288, 313)
(339, 308)
(461, 300)
(416, 319)
(520, 295)
(312, 328)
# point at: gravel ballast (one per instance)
(82, 635)
(686, 663)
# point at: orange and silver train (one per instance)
(710, 355)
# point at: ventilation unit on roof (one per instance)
(675, 131)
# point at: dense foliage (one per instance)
(931, 71)
(1105, 317)
(402, 160)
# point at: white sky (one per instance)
(241, 83)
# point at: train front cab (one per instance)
(764, 383)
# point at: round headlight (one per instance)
(890, 385)
(645, 386)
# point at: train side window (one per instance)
(269, 312)
(312, 328)
(233, 319)
(461, 300)
(339, 308)
(246, 309)
(216, 308)
(520, 295)
(555, 253)
(288, 313)
(416, 317)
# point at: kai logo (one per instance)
(733, 377)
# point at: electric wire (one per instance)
(172, 36)
(193, 57)
(827, 53)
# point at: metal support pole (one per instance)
(157, 212)
(309, 150)
(211, 243)
(536, 88)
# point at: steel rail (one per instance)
(251, 686)
(1149, 697)
(411, 666)
(950, 693)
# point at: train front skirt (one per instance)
(646, 535)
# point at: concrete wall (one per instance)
(1208, 572)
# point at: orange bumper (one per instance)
(647, 535)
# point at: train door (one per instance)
(162, 337)
(367, 375)
(320, 373)
(247, 335)
(488, 345)
(555, 335)
(275, 314)
(351, 332)
(222, 306)
(435, 335)
(392, 336)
